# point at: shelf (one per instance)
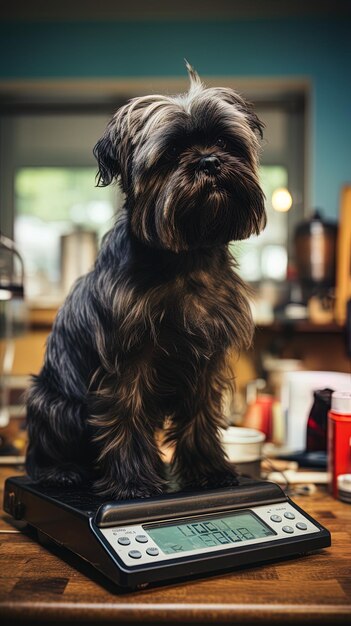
(301, 326)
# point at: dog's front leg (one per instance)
(199, 459)
(128, 460)
(129, 464)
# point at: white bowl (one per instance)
(242, 445)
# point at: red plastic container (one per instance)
(259, 415)
(339, 438)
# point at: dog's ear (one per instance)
(253, 120)
(249, 111)
(105, 152)
(247, 108)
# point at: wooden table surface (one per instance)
(51, 586)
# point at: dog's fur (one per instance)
(144, 336)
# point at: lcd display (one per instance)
(202, 533)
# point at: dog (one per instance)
(144, 337)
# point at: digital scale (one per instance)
(138, 542)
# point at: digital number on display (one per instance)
(198, 534)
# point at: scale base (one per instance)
(89, 527)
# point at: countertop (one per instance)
(41, 585)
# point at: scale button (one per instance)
(134, 554)
(152, 551)
(301, 526)
(141, 538)
(276, 518)
(124, 541)
(289, 515)
(288, 529)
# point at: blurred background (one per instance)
(63, 72)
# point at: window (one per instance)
(52, 202)
(265, 257)
(47, 187)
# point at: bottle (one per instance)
(339, 438)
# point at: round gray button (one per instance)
(142, 538)
(288, 529)
(152, 551)
(276, 518)
(301, 526)
(289, 515)
(135, 554)
(124, 541)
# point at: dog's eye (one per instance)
(171, 155)
(221, 142)
(174, 151)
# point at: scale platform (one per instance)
(186, 534)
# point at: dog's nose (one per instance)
(210, 164)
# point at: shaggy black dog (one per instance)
(145, 335)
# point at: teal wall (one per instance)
(316, 49)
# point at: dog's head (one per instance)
(188, 165)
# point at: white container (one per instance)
(297, 400)
(243, 447)
(344, 487)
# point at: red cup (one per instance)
(339, 438)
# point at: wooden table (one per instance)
(42, 586)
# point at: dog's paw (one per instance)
(60, 478)
(222, 479)
(132, 493)
(216, 480)
(129, 491)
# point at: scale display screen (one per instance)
(201, 533)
